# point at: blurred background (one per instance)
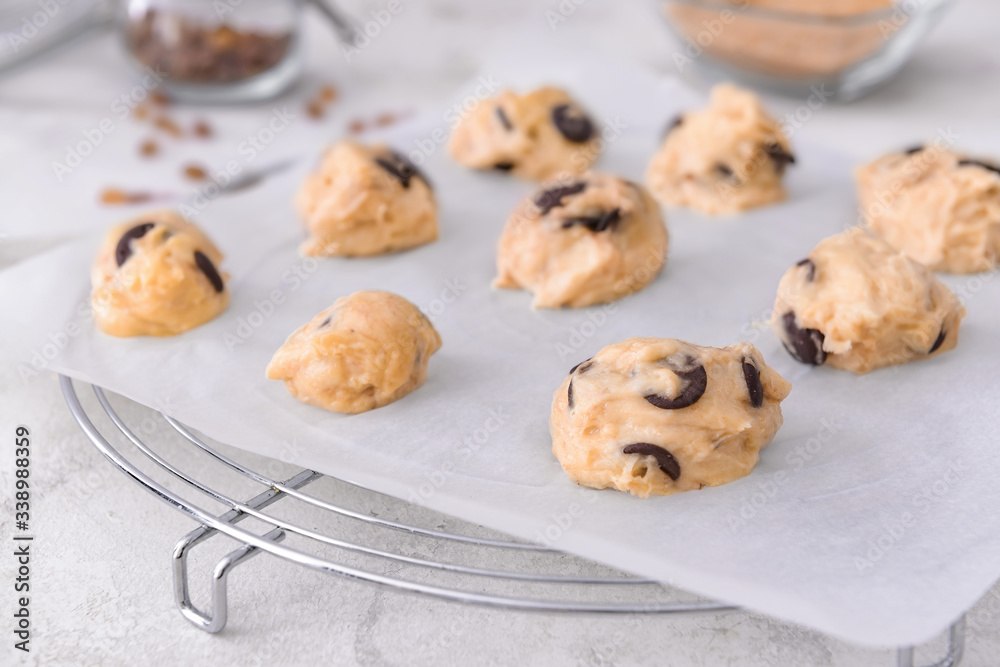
(107, 107)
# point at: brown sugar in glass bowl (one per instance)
(843, 48)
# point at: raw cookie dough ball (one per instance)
(727, 158)
(536, 136)
(655, 416)
(366, 201)
(857, 304)
(156, 275)
(940, 208)
(581, 242)
(365, 351)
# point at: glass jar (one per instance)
(222, 51)
(844, 47)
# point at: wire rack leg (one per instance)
(956, 649)
(216, 621)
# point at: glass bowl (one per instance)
(843, 48)
(215, 52)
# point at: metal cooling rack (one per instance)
(464, 583)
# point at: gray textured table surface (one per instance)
(102, 587)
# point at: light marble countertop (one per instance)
(101, 591)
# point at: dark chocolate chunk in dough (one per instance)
(779, 156)
(551, 198)
(206, 266)
(595, 223)
(695, 382)
(124, 248)
(401, 168)
(668, 464)
(572, 124)
(752, 376)
(504, 120)
(806, 345)
(979, 163)
(723, 171)
(938, 341)
(811, 276)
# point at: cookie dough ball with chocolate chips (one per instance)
(365, 351)
(726, 158)
(539, 135)
(857, 304)
(366, 201)
(655, 416)
(939, 207)
(157, 275)
(581, 242)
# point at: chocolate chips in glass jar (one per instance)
(190, 52)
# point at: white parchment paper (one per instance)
(872, 516)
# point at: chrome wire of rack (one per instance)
(277, 528)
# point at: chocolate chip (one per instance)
(695, 383)
(756, 389)
(812, 268)
(401, 168)
(582, 366)
(503, 119)
(503, 166)
(572, 124)
(124, 248)
(979, 163)
(668, 464)
(939, 341)
(569, 395)
(913, 149)
(723, 170)
(206, 266)
(595, 223)
(781, 157)
(549, 199)
(806, 345)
